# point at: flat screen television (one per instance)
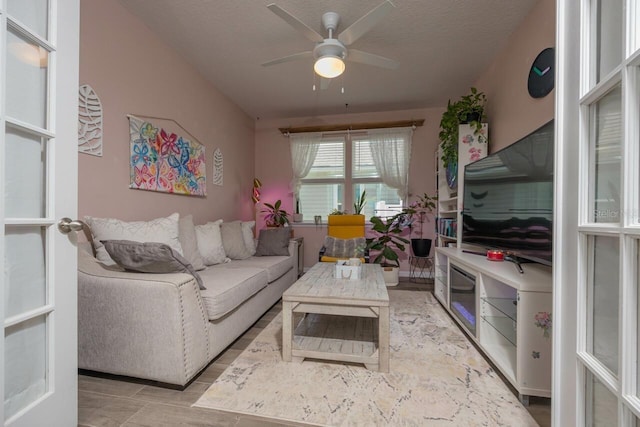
(508, 198)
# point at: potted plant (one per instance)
(388, 244)
(417, 213)
(297, 216)
(469, 109)
(359, 204)
(275, 217)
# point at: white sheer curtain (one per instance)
(304, 147)
(391, 151)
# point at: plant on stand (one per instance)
(275, 217)
(388, 244)
(417, 213)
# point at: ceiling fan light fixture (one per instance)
(329, 66)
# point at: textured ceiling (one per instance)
(442, 47)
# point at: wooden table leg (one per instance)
(383, 339)
(287, 330)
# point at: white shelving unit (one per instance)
(471, 147)
(510, 314)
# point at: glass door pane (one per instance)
(25, 171)
(602, 407)
(32, 13)
(25, 364)
(603, 300)
(26, 88)
(25, 269)
(606, 162)
(609, 25)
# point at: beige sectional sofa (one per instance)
(162, 327)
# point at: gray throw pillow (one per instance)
(232, 240)
(273, 241)
(345, 248)
(149, 257)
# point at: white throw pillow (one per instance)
(209, 240)
(160, 230)
(187, 236)
(247, 236)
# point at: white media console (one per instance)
(507, 313)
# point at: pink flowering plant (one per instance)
(543, 321)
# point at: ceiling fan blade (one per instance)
(300, 26)
(289, 58)
(371, 59)
(364, 24)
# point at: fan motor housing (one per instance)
(330, 47)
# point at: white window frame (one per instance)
(348, 181)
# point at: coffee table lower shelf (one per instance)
(338, 338)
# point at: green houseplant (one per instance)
(297, 216)
(468, 109)
(359, 204)
(275, 216)
(417, 212)
(388, 244)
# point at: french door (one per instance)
(38, 176)
(608, 231)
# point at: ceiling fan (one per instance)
(329, 54)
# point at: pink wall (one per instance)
(273, 164)
(133, 71)
(511, 111)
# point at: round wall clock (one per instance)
(542, 74)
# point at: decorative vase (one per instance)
(452, 175)
(421, 247)
(391, 275)
(297, 217)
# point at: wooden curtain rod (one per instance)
(356, 126)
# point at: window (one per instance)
(344, 166)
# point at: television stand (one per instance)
(512, 313)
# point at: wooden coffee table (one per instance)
(343, 320)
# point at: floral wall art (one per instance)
(161, 160)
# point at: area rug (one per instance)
(436, 378)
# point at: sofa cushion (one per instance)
(149, 257)
(248, 236)
(209, 240)
(227, 288)
(160, 230)
(233, 241)
(189, 243)
(276, 266)
(273, 241)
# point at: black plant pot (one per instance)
(421, 247)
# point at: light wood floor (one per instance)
(113, 401)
